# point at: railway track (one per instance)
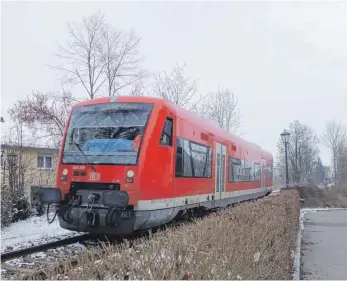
(36, 257)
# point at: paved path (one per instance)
(324, 245)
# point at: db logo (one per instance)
(94, 176)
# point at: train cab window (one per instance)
(166, 136)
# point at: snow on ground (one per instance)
(305, 210)
(30, 232)
(275, 192)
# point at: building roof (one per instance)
(29, 146)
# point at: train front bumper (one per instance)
(97, 220)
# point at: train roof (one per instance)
(184, 114)
(218, 131)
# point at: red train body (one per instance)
(131, 163)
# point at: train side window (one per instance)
(199, 158)
(187, 162)
(257, 171)
(269, 172)
(183, 159)
(230, 170)
(235, 166)
(166, 136)
(193, 159)
(179, 158)
(245, 171)
(251, 170)
(208, 171)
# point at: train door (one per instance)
(220, 171)
(164, 159)
(263, 172)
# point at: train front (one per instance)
(98, 171)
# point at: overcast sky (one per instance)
(285, 61)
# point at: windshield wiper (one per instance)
(81, 150)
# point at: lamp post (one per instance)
(285, 139)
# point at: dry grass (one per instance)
(252, 241)
(315, 197)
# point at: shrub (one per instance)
(13, 209)
(6, 206)
(21, 209)
(315, 197)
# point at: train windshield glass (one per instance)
(105, 133)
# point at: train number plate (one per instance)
(94, 176)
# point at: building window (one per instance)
(44, 161)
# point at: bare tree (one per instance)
(334, 137)
(176, 88)
(302, 153)
(221, 108)
(119, 52)
(44, 114)
(341, 161)
(138, 88)
(81, 54)
(15, 171)
(98, 55)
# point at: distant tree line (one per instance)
(304, 164)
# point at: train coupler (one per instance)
(91, 218)
(88, 218)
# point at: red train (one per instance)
(132, 163)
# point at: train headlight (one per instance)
(130, 173)
(65, 172)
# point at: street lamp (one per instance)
(285, 139)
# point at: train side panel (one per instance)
(177, 169)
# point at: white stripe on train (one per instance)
(147, 205)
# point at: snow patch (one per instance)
(321, 209)
(296, 254)
(275, 192)
(256, 257)
(31, 232)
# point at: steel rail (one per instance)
(27, 251)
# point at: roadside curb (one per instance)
(297, 252)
